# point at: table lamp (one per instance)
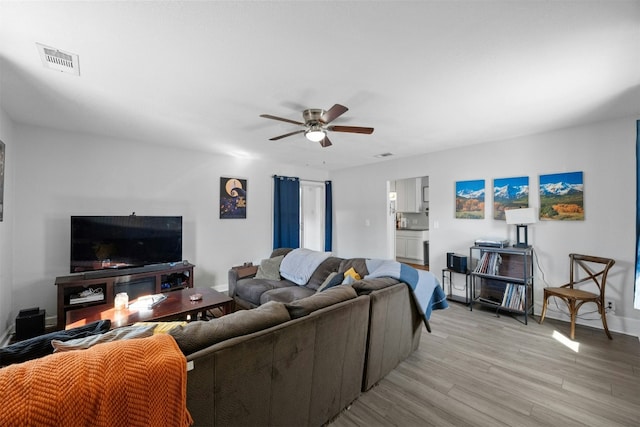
(521, 217)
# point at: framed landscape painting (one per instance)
(562, 197)
(233, 198)
(509, 193)
(470, 199)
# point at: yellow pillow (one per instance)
(351, 272)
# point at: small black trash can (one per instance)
(29, 323)
(426, 252)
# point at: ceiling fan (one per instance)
(316, 124)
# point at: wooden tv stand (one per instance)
(156, 278)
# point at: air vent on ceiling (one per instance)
(56, 59)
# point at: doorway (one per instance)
(409, 220)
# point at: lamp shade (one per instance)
(521, 216)
(315, 135)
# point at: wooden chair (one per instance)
(596, 269)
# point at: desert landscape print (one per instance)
(470, 199)
(562, 197)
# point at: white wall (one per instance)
(59, 174)
(605, 152)
(6, 230)
(53, 175)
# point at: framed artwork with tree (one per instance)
(233, 198)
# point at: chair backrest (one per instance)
(596, 269)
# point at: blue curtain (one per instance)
(636, 291)
(328, 216)
(286, 212)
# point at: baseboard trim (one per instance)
(623, 325)
(224, 288)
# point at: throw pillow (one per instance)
(327, 280)
(358, 264)
(334, 279)
(124, 333)
(270, 268)
(348, 280)
(352, 272)
(329, 265)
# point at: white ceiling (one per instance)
(426, 75)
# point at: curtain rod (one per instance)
(302, 179)
(312, 180)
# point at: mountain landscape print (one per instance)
(562, 197)
(509, 193)
(470, 199)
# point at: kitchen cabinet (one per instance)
(409, 195)
(410, 244)
(401, 247)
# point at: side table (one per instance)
(447, 273)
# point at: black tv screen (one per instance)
(103, 242)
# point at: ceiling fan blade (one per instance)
(269, 116)
(351, 129)
(325, 142)
(275, 138)
(334, 112)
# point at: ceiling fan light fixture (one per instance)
(316, 124)
(315, 134)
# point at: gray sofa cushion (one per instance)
(251, 289)
(197, 335)
(280, 252)
(305, 306)
(288, 294)
(366, 286)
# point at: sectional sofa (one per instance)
(394, 327)
(298, 362)
(308, 366)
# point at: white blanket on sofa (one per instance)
(299, 264)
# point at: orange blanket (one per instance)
(137, 382)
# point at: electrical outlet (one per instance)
(610, 307)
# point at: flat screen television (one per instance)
(113, 242)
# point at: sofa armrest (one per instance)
(395, 327)
(237, 273)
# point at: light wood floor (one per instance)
(477, 369)
(418, 266)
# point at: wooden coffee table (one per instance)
(176, 307)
